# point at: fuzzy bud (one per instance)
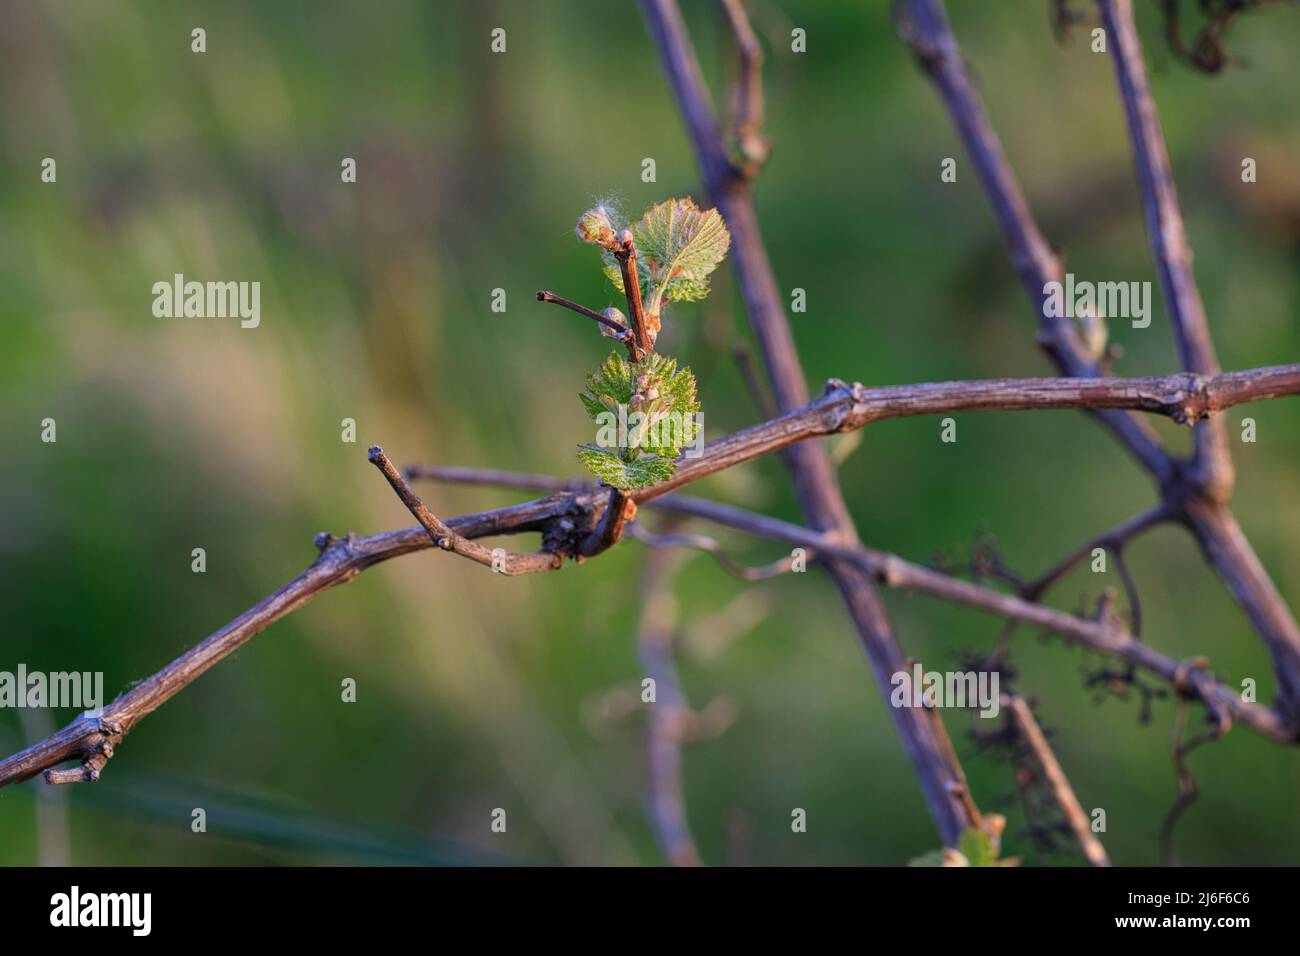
(617, 316)
(597, 225)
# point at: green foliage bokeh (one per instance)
(477, 692)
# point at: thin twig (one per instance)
(1112, 540)
(711, 546)
(745, 365)
(1187, 789)
(459, 474)
(747, 109)
(1028, 730)
(444, 537)
(616, 326)
(668, 715)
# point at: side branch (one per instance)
(1168, 235)
(618, 328)
(1028, 730)
(1112, 540)
(1102, 636)
(448, 540)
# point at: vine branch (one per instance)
(567, 519)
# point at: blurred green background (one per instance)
(477, 692)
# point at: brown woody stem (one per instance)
(625, 255)
(1022, 718)
(444, 537)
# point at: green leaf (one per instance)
(681, 244)
(676, 385)
(977, 846)
(682, 289)
(617, 380)
(678, 245)
(626, 475)
(666, 398)
(613, 384)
